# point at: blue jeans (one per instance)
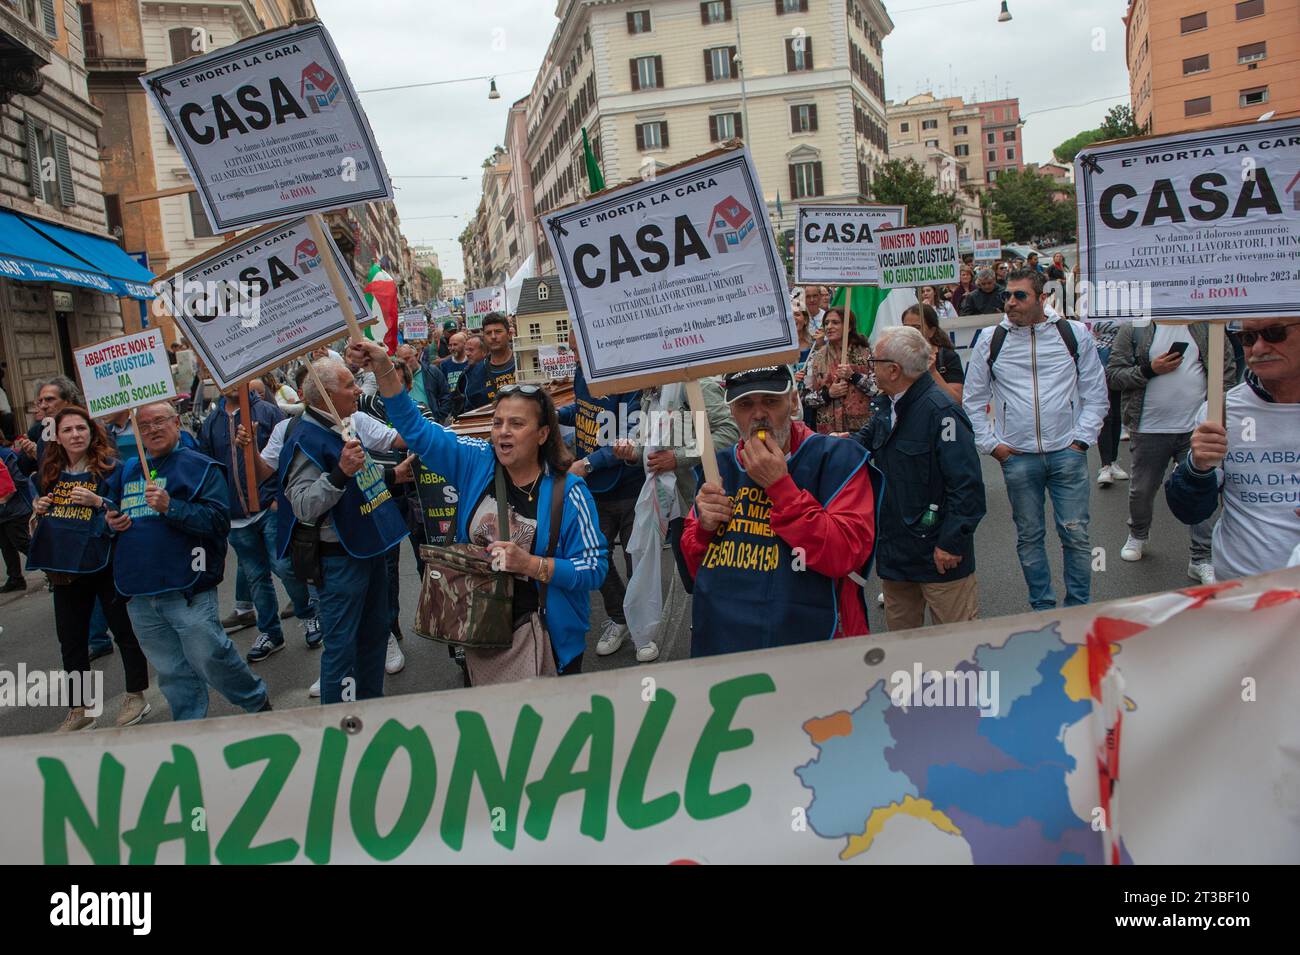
(187, 646)
(1064, 475)
(353, 603)
(99, 638)
(255, 546)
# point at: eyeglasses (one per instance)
(1274, 334)
(158, 424)
(877, 361)
(529, 390)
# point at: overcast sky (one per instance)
(1053, 53)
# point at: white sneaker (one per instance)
(1123, 434)
(395, 662)
(1202, 571)
(314, 691)
(1118, 473)
(1132, 549)
(611, 638)
(647, 654)
(1106, 476)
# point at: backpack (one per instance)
(1062, 327)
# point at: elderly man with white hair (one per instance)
(342, 522)
(934, 494)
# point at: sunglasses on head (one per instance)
(529, 390)
(1274, 335)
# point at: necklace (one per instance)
(531, 488)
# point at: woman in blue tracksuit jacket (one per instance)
(526, 442)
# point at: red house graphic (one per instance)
(731, 225)
(1295, 192)
(318, 87)
(305, 256)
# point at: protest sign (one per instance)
(1192, 226)
(922, 256)
(125, 372)
(270, 128)
(974, 742)
(988, 250)
(481, 302)
(258, 301)
(965, 246)
(557, 361)
(674, 278)
(439, 311)
(835, 244)
(414, 326)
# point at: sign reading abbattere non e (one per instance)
(270, 128)
(125, 372)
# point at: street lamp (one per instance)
(493, 94)
(1005, 15)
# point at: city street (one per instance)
(28, 620)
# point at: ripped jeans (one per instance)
(1064, 475)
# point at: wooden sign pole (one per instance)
(334, 413)
(145, 470)
(1214, 374)
(250, 449)
(704, 437)
(844, 351)
(317, 225)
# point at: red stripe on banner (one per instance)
(1202, 595)
(1275, 598)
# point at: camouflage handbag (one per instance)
(463, 601)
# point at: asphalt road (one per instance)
(28, 619)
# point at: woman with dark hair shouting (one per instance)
(526, 445)
(72, 543)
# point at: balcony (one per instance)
(102, 58)
(545, 338)
(24, 52)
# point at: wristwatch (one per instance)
(1079, 445)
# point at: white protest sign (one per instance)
(1192, 226)
(835, 244)
(439, 310)
(259, 301)
(965, 246)
(270, 128)
(125, 372)
(675, 273)
(557, 361)
(414, 326)
(922, 256)
(988, 250)
(482, 302)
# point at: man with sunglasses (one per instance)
(1252, 460)
(1039, 376)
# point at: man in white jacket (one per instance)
(1036, 396)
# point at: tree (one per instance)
(434, 276)
(904, 182)
(1000, 228)
(1119, 124)
(1027, 200)
(1066, 152)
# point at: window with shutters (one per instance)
(202, 229)
(647, 73)
(1252, 52)
(993, 155)
(932, 143)
(1009, 136)
(1196, 64)
(803, 119)
(1250, 8)
(718, 11)
(718, 63)
(806, 179)
(638, 21)
(961, 150)
(1190, 24)
(993, 138)
(959, 130)
(1196, 107)
(188, 42)
(929, 124)
(90, 40)
(1254, 97)
(652, 136)
(798, 53)
(864, 180)
(791, 6)
(49, 16)
(41, 167)
(1011, 153)
(906, 127)
(724, 126)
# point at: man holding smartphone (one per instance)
(1160, 372)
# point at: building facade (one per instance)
(1196, 64)
(1003, 145)
(541, 318)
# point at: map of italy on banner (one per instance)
(845, 751)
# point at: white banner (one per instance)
(674, 273)
(835, 244)
(125, 372)
(926, 255)
(969, 743)
(988, 250)
(414, 325)
(439, 311)
(557, 361)
(270, 128)
(253, 304)
(482, 302)
(1192, 226)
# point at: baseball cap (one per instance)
(770, 380)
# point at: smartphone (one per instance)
(1177, 348)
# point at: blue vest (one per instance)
(70, 538)
(587, 410)
(20, 504)
(366, 519)
(748, 596)
(155, 556)
(438, 500)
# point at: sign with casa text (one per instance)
(836, 245)
(482, 302)
(557, 361)
(259, 301)
(1193, 226)
(674, 277)
(926, 255)
(270, 128)
(125, 372)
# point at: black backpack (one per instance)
(1062, 327)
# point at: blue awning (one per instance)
(35, 251)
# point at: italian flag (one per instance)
(381, 288)
(875, 308)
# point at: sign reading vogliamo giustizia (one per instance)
(1210, 219)
(676, 272)
(270, 128)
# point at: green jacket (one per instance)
(1129, 368)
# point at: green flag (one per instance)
(867, 300)
(594, 178)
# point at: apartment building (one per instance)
(947, 127)
(1202, 63)
(1003, 146)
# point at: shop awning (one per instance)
(35, 251)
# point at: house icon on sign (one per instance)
(731, 225)
(318, 87)
(306, 256)
(1292, 187)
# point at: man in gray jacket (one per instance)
(1160, 371)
